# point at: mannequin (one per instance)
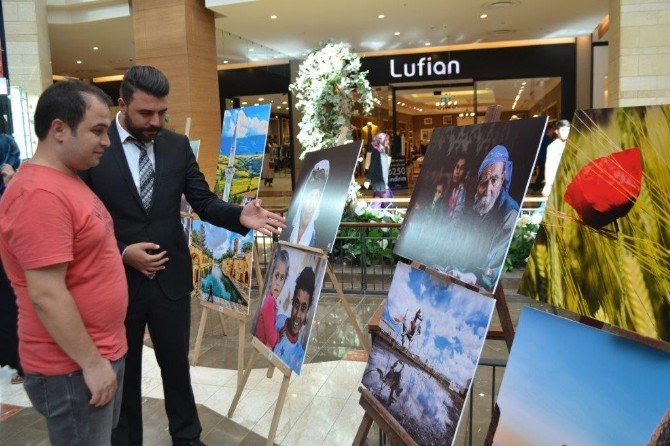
(369, 131)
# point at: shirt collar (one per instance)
(123, 134)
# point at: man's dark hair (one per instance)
(147, 79)
(305, 282)
(66, 101)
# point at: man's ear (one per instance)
(59, 129)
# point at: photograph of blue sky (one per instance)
(422, 363)
(455, 321)
(218, 240)
(570, 384)
(251, 131)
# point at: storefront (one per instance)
(421, 91)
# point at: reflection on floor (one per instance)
(322, 404)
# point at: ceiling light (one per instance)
(261, 99)
(273, 17)
(279, 107)
(284, 102)
(79, 62)
(523, 83)
(427, 43)
(251, 50)
(95, 48)
(225, 61)
(381, 16)
(397, 33)
(255, 105)
(244, 102)
(483, 16)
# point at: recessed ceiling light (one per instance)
(251, 50)
(225, 61)
(79, 62)
(381, 16)
(483, 16)
(244, 102)
(427, 43)
(261, 99)
(273, 17)
(95, 48)
(255, 105)
(279, 107)
(284, 102)
(397, 33)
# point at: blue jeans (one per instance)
(64, 401)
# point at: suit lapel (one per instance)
(120, 158)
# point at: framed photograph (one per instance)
(426, 134)
(475, 225)
(447, 119)
(427, 121)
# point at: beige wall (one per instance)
(639, 52)
(28, 51)
(177, 37)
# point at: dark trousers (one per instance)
(9, 338)
(169, 325)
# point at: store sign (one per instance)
(398, 174)
(424, 67)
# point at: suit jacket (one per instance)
(176, 173)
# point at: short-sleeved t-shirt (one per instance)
(48, 217)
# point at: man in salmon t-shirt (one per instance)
(58, 248)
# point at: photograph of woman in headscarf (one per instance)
(303, 230)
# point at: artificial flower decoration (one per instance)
(330, 87)
(606, 188)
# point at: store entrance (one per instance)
(419, 109)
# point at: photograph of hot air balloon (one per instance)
(603, 249)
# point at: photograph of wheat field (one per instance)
(603, 250)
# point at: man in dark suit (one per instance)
(140, 179)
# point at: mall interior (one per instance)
(430, 64)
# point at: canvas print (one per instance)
(424, 358)
(603, 249)
(290, 297)
(185, 211)
(222, 259)
(243, 140)
(321, 192)
(570, 384)
(465, 205)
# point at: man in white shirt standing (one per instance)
(554, 153)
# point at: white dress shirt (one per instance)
(132, 153)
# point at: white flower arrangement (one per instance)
(330, 87)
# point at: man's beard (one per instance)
(483, 204)
(138, 132)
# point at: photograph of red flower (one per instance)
(603, 249)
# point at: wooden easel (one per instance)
(374, 410)
(266, 353)
(274, 363)
(208, 307)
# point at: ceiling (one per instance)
(75, 27)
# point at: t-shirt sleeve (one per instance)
(41, 232)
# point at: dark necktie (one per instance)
(147, 175)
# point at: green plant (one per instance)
(522, 242)
(378, 242)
